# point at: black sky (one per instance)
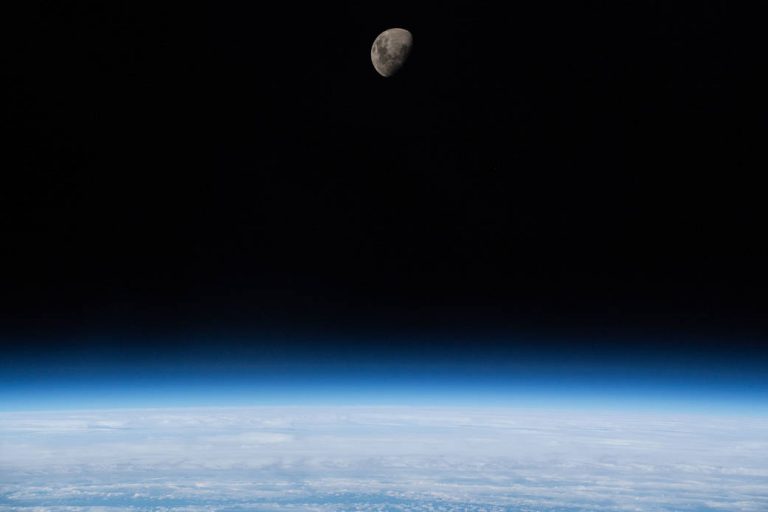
(579, 169)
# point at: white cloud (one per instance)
(304, 458)
(244, 439)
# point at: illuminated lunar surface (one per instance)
(390, 50)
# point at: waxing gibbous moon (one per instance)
(390, 50)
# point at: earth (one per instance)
(381, 459)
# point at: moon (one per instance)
(390, 50)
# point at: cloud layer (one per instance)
(383, 458)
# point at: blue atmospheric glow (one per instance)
(258, 371)
(527, 383)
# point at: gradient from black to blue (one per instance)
(555, 198)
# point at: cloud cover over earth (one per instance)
(380, 458)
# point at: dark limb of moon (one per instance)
(390, 50)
